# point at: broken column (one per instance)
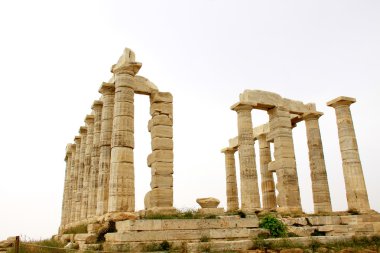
(95, 152)
(122, 179)
(108, 92)
(66, 189)
(250, 196)
(356, 191)
(161, 159)
(267, 182)
(89, 120)
(231, 184)
(319, 182)
(284, 164)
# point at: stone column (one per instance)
(108, 91)
(268, 189)
(122, 179)
(160, 197)
(74, 215)
(231, 184)
(83, 134)
(93, 186)
(70, 197)
(250, 196)
(89, 120)
(288, 198)
(356, 191)
(319, 182)
(66, 189)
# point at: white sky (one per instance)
(55, 54)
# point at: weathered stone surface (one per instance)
(324, 220)
(161, 108)
(162, 168)
(231, 184)
(159, 143)
(120, 216)
(208, 202)
(162, 131)
(300, 221)
(158, 97)
(211, 211)
(160, 156)
(165, 181)
(86, 238)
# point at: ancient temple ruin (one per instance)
(99, 175)
(99, 189)
(284, 114)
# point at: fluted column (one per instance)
(108, 92)
(319, 182)
(95, 152)
(250, 196)
(74, 215)
(89, 120)
(122, 179)
(71, 195)
(231, 184)
(267, 182)
(288, 198)
(356, 191)
(83, 134)
(66, 189)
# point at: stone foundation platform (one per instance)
(222, 233)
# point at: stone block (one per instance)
(122, 154)
(161, 131)
(93, 227)
(161, 197)
(208, 202)
(160, 156)
(219, 246)
(158, 181)
(85, 238)
(163, 120)
(124, 109)
(299, 221)
(301, 231)
(162, 143)
(161, 108)
(324, 220)
(161, 168)
(120, 216)
(211, 211)
(158, 97)
(121, 171)
(123, 139)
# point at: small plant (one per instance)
(204, 238)
(314, 245)
(276, 227)
(165, 245)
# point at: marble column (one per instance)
(89, 120)
(231, 184)
(288, 198)
(160, 126)
(356, 191)
(319, 182)
(122, 179)
(71, 195)
(250, 196)
(66, 189)
(74, 216)
(268, 189)
(95, 152)
(108, 92)
(83, 134)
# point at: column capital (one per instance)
(73, 147)
(97, 104)
(312, 115)
(89, 119)
(341, 101)
(68, 148)
(107, 88)
(228, 150)
(83, 130)
(239, 106)
(77, 139)
(126, 64)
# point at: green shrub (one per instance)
(204, 238)
(276, 227)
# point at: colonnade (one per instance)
(99, 177)
(284, 114)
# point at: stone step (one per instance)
(186, 224)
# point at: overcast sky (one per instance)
(55, 54)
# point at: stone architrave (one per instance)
(66, 189)
(71, 193)
(74, 215)
(95, 152)
(267, 182)
(83, 134)
(231, 183)
(108, 92)
(288, 198)
(319, 182)
(161, 159)
(250, 196)
(89, 120)
(122, 179)
(356, 191)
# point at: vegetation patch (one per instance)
(275, 226)
(80, 229)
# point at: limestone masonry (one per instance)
(99, 188)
